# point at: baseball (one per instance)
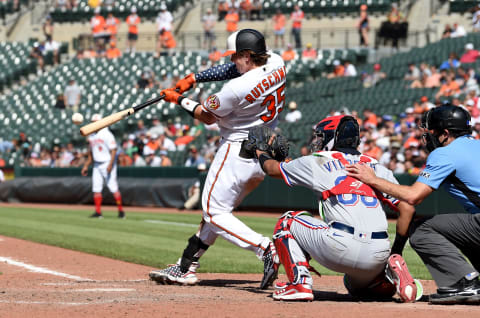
(77, 118)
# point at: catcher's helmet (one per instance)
(336, 132)
(246, 39)
(450, 117)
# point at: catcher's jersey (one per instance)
(320, 172)
(101, 143)
(255, 98)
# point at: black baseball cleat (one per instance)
(121, 215)
(96, 215)
(270, 266)
(463, 292)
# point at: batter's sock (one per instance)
(97, 199)
(118, 199)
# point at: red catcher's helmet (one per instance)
(336, 133)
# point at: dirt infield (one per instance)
(44, 281)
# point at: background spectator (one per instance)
(60, 102)
(48, 27)
(451, 63)
(166, 43)
(113, 51)
(297, 18)
(111, 26)
(194, 191)
(208, 22)
(164, 19)
(37, 53)
(470, 55)
(350, 69)
(194, 158)
(133, 20)
(223, 8)
(72, 95)
(294, 114)
(363, 26)
(338, 70)
(232, 19)
(279, 21)
(52, 47)
(457, 31)
(309, 52)
(289, 54)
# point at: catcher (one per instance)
(352, 236)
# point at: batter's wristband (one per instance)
(263, 158)
(188, 104)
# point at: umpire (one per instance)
(440, 240)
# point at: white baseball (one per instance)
(77, 118)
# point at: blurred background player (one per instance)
(102, 151)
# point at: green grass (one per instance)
(138, 240)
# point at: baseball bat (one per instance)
(113, 118)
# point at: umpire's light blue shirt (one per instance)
(461, 158)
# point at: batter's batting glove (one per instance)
(185, 83)
(171, 95)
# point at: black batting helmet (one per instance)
(447, 117)
(246, 39)
(336, 132)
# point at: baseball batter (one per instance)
(352, 236)
(102, 151)
(254, 98)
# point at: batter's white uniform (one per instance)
(253, 99)
(101, 143)
(358, 254)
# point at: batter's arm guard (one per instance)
(218, 73)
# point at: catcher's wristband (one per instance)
(188, 104)
(263, 158)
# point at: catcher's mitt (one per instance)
(260, 138)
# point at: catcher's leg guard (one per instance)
(192, 252)
(290, 253)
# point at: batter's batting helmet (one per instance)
(336, 132)
(455, 119)
(246, 39)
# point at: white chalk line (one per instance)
(171, 223)
(42, 270)
(104, 290)
(96, 282)
(26, 302)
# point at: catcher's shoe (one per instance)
(174, 275)
(270, 266)
(280, 285)
(294, 292)
(397, 272)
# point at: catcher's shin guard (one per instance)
(290, 253)
(192, 252)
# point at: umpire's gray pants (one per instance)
(440, 242)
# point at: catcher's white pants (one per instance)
(360, 259)
(99, 173)
(230, 178)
